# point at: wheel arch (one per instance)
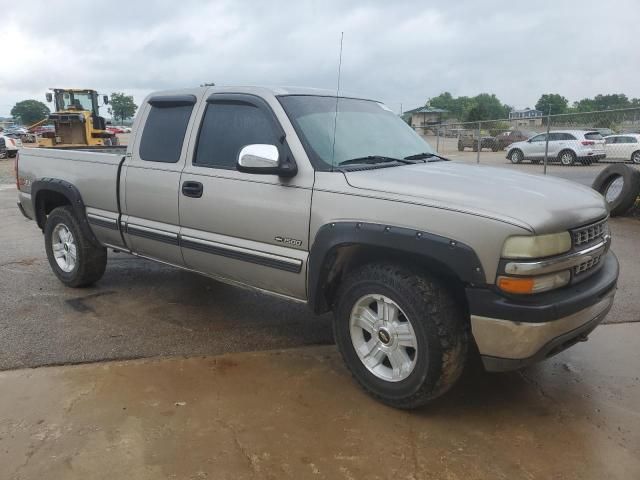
(50, 193)
(342, 246)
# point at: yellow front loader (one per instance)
(76, 120)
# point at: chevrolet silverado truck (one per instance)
(335, 202)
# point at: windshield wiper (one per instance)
(373, 159)
(424, 156)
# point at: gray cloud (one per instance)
(398, 52)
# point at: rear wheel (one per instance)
(73, 257)
(567, 158)
(401, 334)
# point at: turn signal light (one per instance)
(515, 285)
(529, 285)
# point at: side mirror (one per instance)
(105, 99)
(263, 159)
(49, 97)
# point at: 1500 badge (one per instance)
(289, 241)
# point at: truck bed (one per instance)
(94, 174)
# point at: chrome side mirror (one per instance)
(265, 159)
(258, 157)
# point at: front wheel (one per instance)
(516, 156)
(401, 334)
(73, 257)
(635, 157)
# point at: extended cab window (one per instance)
(226, 128)
(164, 132)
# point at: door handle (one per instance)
(192, 189)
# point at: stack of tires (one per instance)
(620, 186)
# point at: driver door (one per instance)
(243, 227)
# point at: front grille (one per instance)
(588, 265)
(589, 233)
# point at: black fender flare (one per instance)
(71, 193)
(456, 256)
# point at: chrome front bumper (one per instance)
(508, 345)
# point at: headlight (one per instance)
(537, 246)
(529, 285)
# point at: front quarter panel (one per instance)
(335, 201)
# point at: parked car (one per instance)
(39, 130)
(504, 139)
(421, 260)
(116, 130)
(469, 139)
(604, 131)
(625, 147)
(565, 146)
(11, 146)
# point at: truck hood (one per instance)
(538, 203)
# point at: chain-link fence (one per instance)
(583, 138)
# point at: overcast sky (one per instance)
(400, 52)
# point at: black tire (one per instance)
(3, 154)
(91, 259)
(630, 190)
(442, 333)
(516, 156)
(567, 158)
(635, 157)
(12, 153)
(460, 146)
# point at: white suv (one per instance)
(565, 146)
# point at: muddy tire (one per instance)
(620, 186)
(400, 333)
(75, 259)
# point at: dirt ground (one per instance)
(297, 414)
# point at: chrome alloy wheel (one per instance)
(383, 338)
(566, 158)
(64, 248)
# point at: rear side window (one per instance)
(593, 136)
(164, 133)
(556, 136)
(226, 128)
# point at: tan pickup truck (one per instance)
(337, 203)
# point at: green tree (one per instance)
(30, 111)
(611, 101)
(122, 106)
(484, 106)
(553, 103)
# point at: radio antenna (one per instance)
(335, 117)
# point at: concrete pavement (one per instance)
(297, 414)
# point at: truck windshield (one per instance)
(364, 129)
